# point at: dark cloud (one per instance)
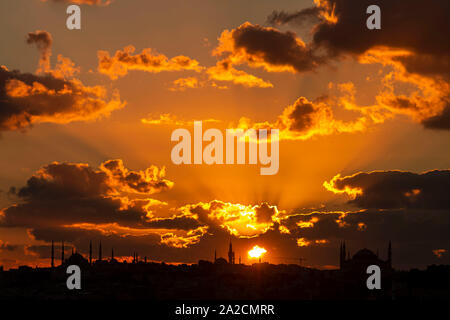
(181, 223)
(418, 26)
(412, 39)
(71, 193)
(26, 99)
(78, 204)
(5, 246)
(265, 213)
(52, 95)
(396, 189)
(302, 115)
(440, 121)
(272, 48)
(43, 41)
(300, 17)
(148, 181)
(415, 233)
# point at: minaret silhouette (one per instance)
(90, 252)
(100, 251)
(215, 255)
(62, 252)
(112, 253)
(230, 254)
(53, 255)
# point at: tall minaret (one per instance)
(230, 254)
(100, 251)
(215, 255)
(112, 253)
(62, 252)
(90, 252)
(53, 255)
(390, 255)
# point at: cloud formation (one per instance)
(70, 201)
(77, 203)
(395, 189)
(86, 195)
(170, 119)
(265, 47)
(305, 119)
(412, 41)
(148, 61)
(237, 219)
(43, 41)
(26, 99)
(52, 95)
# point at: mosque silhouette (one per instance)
(222, 279)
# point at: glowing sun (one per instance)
(256, 252)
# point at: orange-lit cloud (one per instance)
(225, 72)
(54, 95)
(169, 119)
(148, 61)
(143, 182)
(350, 191)
(265, 47)
(362, 226)
(394, 189)
(308, 224)
(29, 99)
(239, 220)
(305, 119)
(43, 41)
(182, 84)
(302, 242)
(5, 246)
(439, 252)
(417, 84)
(177, 238)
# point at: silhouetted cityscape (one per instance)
(223, 279)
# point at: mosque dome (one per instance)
(365, 254)
(221, 261)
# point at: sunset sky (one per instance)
(86, 118)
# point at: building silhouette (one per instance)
(53, 255)
(362, 259)
(62, 252)
(231, 254)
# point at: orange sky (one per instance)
(365, 107)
